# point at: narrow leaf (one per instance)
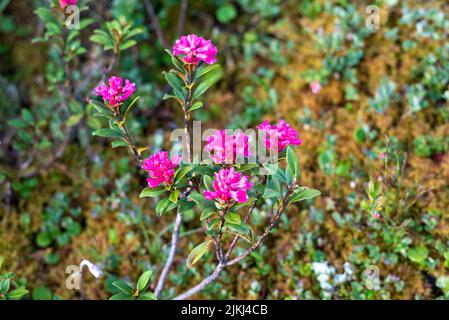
(152, 192)
(142, 283)
(304, 194)
(197, 253)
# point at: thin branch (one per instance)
(222, 265)
(258, 242)
(237, 237)
(155, 23)
(200, 286)
(171, 255)
(131, 144)
(178, 221)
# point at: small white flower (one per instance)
(340, 278)
(348, 268)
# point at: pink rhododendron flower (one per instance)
(195, 49)
(116, 92)
(225, 148)
(229, 186)
(282, 132)
(65, 3)
(160, 168)
(315, 87)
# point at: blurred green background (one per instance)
(382, 115)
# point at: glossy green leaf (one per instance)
(107, 133)
(208, 182)
(144, 280)
(208, 80)
(173, 80)
(181, 172)
(122, 296)
(197, 253)
(205, 69)
(17, 294)
(147, 296)
(233, 217)
(292, 163)
(196, 106)
(239, 228)
(174, 196)
(122, 287)
(207, 213)
(119, 143)
(304, 194)
(200, 200)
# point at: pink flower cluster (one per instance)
(229, 186)
(116, 92)
(281, 134)
(195, 49)
(225, 148)
(160, 168)
(65, 3)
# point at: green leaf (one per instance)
(4, 285)
(175, 60)
(196, 105)
(209, 79)
(207, 213)
(418, 254)
(27, 116)
(1, 262)
(119, 143)
(292, 163)
(208, 182)
(101, 37)
(147, 296)
(107, 133)
(99, 106)
(233, 217)
(164, 206)
(244, 204)
(123, 287)
(46, 15)
(152, 192)
(43, 239)
(173, 80)
(143, 281)
(272, 188)
(129, 107)
(74, 119)
(122, 296)
(17, 293)
(17, 123)
(128, 44)
(239, 228)
(226, 13)
(246, 167)
(185, 205)
(200, 201)
(203, 70)
(276, 172)
(181, 172)
(304, 194)
(197, 253)
(174, 196)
